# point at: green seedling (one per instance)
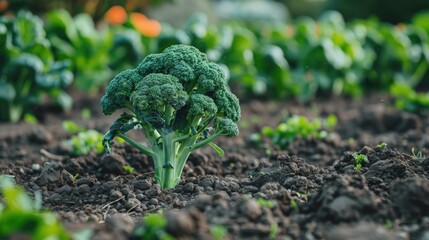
(85, 142)
(75, 177)
(417, 155)
(30, 119)
(274, 230)
(218, 232)
(298, 126)
(359, 159)
(265, 203)
(382, 145)
(388, 224)
(153, 227)
(85, 114)
(294, 205)
(179, 100)
(71, 127)
(21, 218)
(129, 169)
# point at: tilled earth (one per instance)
(311, 190)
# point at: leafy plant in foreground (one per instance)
(359, 159)
(20, 216)
(181, 102)
(298, 126)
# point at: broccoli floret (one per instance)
(156, 93)
(228, 105)
(118, 92)
(180, 100)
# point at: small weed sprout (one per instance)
(218, 232)
(265, 203)
(417, 155)
(382, 145)
(294, 204)
(359, 160)
(129, 169)
(274, 230)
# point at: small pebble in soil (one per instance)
(142, 185)
(179, 223)
(251, 209)
(153, 201)
(121, 222)
(115, 194)
(189, 187)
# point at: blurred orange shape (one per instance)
(116, 15)
(147, 27)
(3, 5)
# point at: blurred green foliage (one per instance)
(385, 10)
(153, 227)
(96, 54)
(84, 141)
(308, 57)
(409, 100)
(297, 126)
(29, 73)
(20, 216)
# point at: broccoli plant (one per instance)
(181, 102)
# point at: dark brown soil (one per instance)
(315, 191)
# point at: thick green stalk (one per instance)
(168, 177)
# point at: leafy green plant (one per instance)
(409, 100)
(87, 48)
(181, 102)
(359, 160)
(153, 227)
(85, 141)
(218, 232)
(308, 57)
(297, 126)
(21, 216)
(29, 74)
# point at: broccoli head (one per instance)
(180, 100)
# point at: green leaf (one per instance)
(30, 119)
(71, 127)
(218, 149)
(7, 91)
(64, 100)
(28, 29)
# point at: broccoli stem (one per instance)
(168, 176)
(170, 160)
(135, 144)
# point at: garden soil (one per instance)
(311, 190)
